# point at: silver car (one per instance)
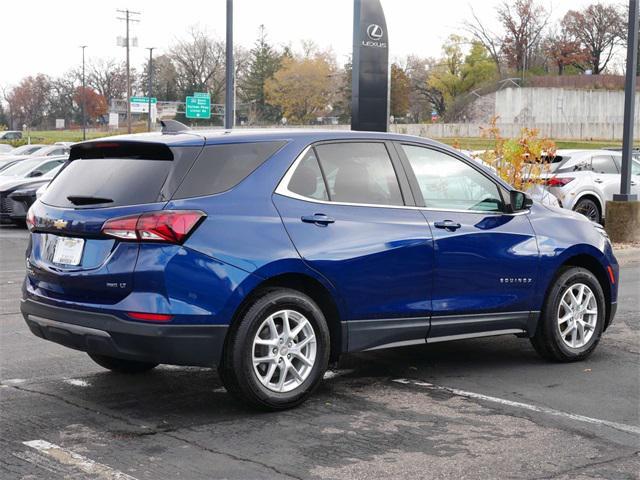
(583, 180)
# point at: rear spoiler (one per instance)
(121, 149)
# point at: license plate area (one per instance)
(68, 251)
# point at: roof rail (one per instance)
(173, 126)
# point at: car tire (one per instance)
(272, 385)
(120, 365)
(554, 338)
(590, 209)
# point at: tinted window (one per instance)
(447, 182)
(125, 181)
(307, 179)
(359, 173)
(221, 167)
(603, 164)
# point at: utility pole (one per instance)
(84, 98)
(127, 18)
(149, 90)
(229, 113)
(629, 105)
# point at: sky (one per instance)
(43, 36)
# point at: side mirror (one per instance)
(519, 201)
(36, 173)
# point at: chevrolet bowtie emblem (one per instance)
(60, 224)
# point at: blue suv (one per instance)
(270, 253)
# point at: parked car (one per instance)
(18, 195)
(583, 180)
(30, 168)
(26, 149)
(270, 253)
(38, 151)
(5, 149)
(10, 135)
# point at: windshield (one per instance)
(21, 168)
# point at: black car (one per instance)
(17, 196)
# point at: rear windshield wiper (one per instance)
(87, 200)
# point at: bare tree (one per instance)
(199, 62)
(490, 40)
(600, 29)
(109, 78)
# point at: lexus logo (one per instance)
(375, 32)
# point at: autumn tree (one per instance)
(457, 74)
(564, 51)
(29, 100)
(301, 87)
(524, 22)
(61, 97)
(399, 91)
(95, 105)
(599, 29)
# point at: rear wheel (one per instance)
(121, 366)
(589, 208)
(278, 351)
(572, 319)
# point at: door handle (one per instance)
(598, 180)
(319, 219)
(447, 225)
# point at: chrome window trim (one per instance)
(283, 189)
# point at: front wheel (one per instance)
(572, 319)
(590, 209)
(278, 351)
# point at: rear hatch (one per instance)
(69, 258)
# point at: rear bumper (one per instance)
(197, 345)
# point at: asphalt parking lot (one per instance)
(485, 408)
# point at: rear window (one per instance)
(117, 181)
(222, 167)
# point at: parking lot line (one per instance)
(533, 408)
(84, 464)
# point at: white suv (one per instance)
(583, 180)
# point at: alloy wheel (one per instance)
(577, 315)
(589, 210)
(284, 351)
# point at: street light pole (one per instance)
(84, 96)
(151, 49)
(629, 105)
(229, 114)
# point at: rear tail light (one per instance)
(169, 226)
(558, 181)
(31, 220)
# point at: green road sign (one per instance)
(143, 100)
(201, 94)
(198, 106)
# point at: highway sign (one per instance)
(198, 106)
(141, 104)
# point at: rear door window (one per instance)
(221, 167)
(603, 164)
(359, 172)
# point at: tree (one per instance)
(61, 97)
(264, 62)
(301, 88)
(29, 100)
(95, 105)
(4, 118)
(420, 103)
(599, 29)
(490, 40)
(343, 93)
(164, 79)
(564, 51)
(400, 89)
(524, 22)
(199, 62)
(109, 78)
(456, 74)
